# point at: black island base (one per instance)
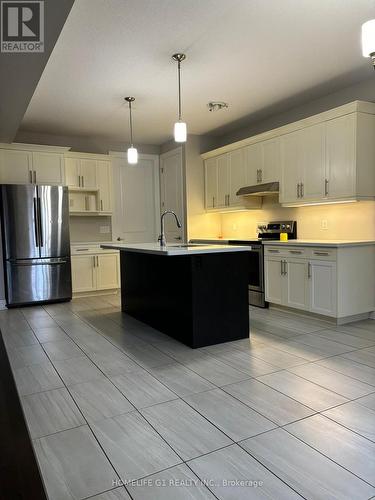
(199, 300)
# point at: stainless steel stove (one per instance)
(270, 231)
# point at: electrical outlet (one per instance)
(104, 229)
(324, 224)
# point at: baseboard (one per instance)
(96, 293)
(329, 319)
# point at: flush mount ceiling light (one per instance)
(368, 40)
(217, 105)
(180, 131)
(132, 151)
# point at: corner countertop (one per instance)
(174, 250)
(321, 243)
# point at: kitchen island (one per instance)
(197, 294)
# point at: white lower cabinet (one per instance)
(323, 295)
(295, 278)
(83, 273)
(297, 283)
(337, 282)
(95, 272)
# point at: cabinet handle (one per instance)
(309, 270)
(83, 181)
(97, 261)
(272, 250)
(34, 176)
(326, 254)
(82, 249)
(285, 267)
(281, 267)
(297, 190)
(101, 205)
(213, 202)
(31, 176)
(228, 200)
(94, 261)
(302, 190)
(260, 175)
(79, 181)
(326, 187)
(295, 251)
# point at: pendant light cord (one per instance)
(131, 124)
(179, 90)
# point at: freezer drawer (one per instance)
(38, 280)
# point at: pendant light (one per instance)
(132, 151)
(180, 131)
(368, 40)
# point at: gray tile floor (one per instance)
(117, 410)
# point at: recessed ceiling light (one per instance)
(217, 105)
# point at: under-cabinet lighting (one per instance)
(314, 203)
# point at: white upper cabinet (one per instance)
(237, 175)
(88, 174)
(104, 178)
(223, 180)
(211, 183)
(270, 167)
(323, 158)
(21, 166)
(253, 163)
(15, 166)
(72, 172)
(340, 157)
(89, 178)
(302, 165)
(48, 168)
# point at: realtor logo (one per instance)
(22, 26)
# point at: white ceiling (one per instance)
(250, 53)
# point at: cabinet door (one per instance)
(237, 178)
(271, 160)
(104, 178)
(48, 168)
(211, 183)
(83, 273)
(72, 172)
(253, 161)
(340, 156)
(323, 287)
(297, 288)
(223, 187)
(88, 174)
(15, 167)
(313, 162)
(290, 167)
(274, 281)
(107, 271)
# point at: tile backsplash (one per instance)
(90, 229)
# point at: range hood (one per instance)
(265, 189)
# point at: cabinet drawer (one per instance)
(322, 253)
(275, 251)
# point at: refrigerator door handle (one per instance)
(38, 262)
(40, 222)
(36, 222)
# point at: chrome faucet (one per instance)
(162, 239)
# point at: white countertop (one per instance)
(173, 249)
(321, 243)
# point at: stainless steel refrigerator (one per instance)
(36, 246)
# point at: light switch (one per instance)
(324, 224)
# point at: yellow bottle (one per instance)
(283, 236)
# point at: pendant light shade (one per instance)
(368, 40)
(132, 156)
(180, 129)
(132, 152)
(180, 132)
